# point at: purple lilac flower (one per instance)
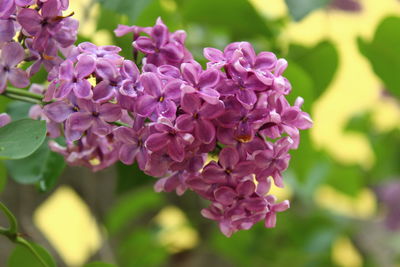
(175, 116)
(11, 54)
(4, 119)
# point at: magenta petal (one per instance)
(212, 173)
(66, 70)
(265, 61)
(225, 195)
(151, 84)
(103, 92)
(7, 30)
(172, 89)
(110, 112)
(246, 188)
(63, 90)
(190, 103)
(30, 20)
(145, 105)
(3, 81)
(106, 69)
(11, 54)
(228, 158)
(185, 122)
(127, 153)
(246, 97)
(176, 150)
(212, 111)
(101, 127)
(244, 168)
(209, 95)
(205, 131)
(85, 66)
(18, 78)
(144, 45)
(130, 70)
(58, 111)
(83, 89)
(128, 89)
(125, 135)
(270, 220)
(172, 52)
(213, 54)
(225, 136)
(166, 108)
(4, 119)
(157, 141)
(209, 78)
(80, 121)
(190, 72)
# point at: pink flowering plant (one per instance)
(223, 131)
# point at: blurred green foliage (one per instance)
(304, 235)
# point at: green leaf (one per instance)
(298, 9)
(18, 110)
(238, 17)
(130, 207)
(320, 62)
(302, 85)
(21, 138)
(130, 8)
(99, 264)
(3, 176)
(347, 179)
(21, 256)
(383, 52)
(43, 166)
(130, 176)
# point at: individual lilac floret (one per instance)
(4, 119)
(48, 25)
(95, 117)
(200, 82)
(11, 54)
(158, 98)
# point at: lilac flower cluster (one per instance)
(41, 32)
(223, 132)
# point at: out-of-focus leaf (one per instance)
(18, 110)
(238, 17)
(298, 9)
(320, 62)
(130, 176)
(130, 8)
(302, 85)
(130, 207)
(383, 52)
(4, 101)
(43, 166)
(21, 256)
(21, 138)
(359, 123)
(347, 179)
(99, 264)
(3, 176)
(141, 248)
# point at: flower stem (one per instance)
(29, 97)
(12, 234)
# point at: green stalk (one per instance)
(12, 234)
(25, 93)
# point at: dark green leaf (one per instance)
(130, 8)
(130, 207)
(130, 176)
(43, 166)
(18, 110)
(302, 85)
(21, 138)
(3, 176)
(238, 17)
(383, 52)
(21, 256)
(320, 62)
(298, 9)
(99, 264)
(347, 179)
